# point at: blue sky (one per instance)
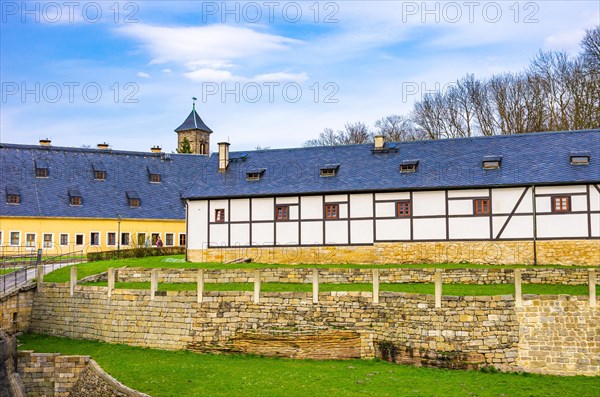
(266, 73)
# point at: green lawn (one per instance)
(175, 374)
(6, 271)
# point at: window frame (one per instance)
(13, 199)
(31, 244)
(557, 199)
(97, 240)
(10, 238)
(330, 215)
(41, 172)
(400, 213)
(77, 235)
(61, 239)
(143, 241)
(182, 236)
(114, 236)
(155, 178)
(486, 206)
(172, 239)
(126, 243)
(45, 243)
(219, 215)
(134, 202)
(75, 201)
(285, 213)
(99, 175)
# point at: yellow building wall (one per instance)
(83, 226)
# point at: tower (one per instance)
(196, 132)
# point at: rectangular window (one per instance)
(41, 172)
(155, 238)
(13, 199)
(76, 201)
(94, 238)
(79, 239)
(282, 212)
(155, 178)
(124, 238)
(182, 239)
(169, 239)
(15, 238)
(409, 165)
(99, 175)
(48, 240)
(403, 209)
(134, 202)
(481, 206)
(111, 238)
(141, 239)
(30, 240)
(64, 239)
(332, 211)
(220, 215)
(561, 203)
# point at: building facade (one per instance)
(532, 198)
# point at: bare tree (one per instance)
(396, 128)
(352, 133)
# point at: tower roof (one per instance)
(193, 122)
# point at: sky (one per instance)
(264, 73)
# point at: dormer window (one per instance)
(41, 169)
(255, 174)
(329, 170)
(99, 171)
(75, 198)
(133, 199)
(491, 162)
(154, 174)
(409, 165)
(13, 195)
(580, 158)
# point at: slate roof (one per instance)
(72, 170)
(534, 158)
(193, 122)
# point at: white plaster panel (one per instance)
(262, 234)
(517, 227)
(219, 235)
(594, 199)
(336, 198)
(312, 207)
(343, 211)
(560, 189)
(263, 209)
(240, 234)
(429, 203)
(595, 225)
(197, 224)
(287, 233)
(361, 232)
(393, 229)
(336, 232)
(361, 205)
(219, 204)
(468, 193)
(428, 229)
(468, 228)
(504, 200)
(562, 225)
(287, 200)
(312, 233)
(240, 210)
(385, 209)
(579, 203)
(460, 207)
(392, 196)
(294, 212)
(543, 204)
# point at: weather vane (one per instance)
(194, 103)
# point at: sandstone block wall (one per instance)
(15, 310)
(562, 252)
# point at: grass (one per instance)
(421, 288)
(174, 374)
(7, 271)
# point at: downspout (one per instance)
(534, 225)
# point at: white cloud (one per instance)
(564, 41)
(281, 76)
(206, 74)
(143, 75)
(167, 70)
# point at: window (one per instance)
(74, 196)
(79, 239)
(155, 178)
(13, 199)
(409, 165)
(169, 239)
(141, 239)
(255, 175)
(75, 201)
(580, 158)
(133, 199)
(403, 209)
(220, 215)
(48, 240)
(111, 238)
(99, 175)
(182, 239)
(491, 162)
(124, 238)
(94, 238)
(15, 238)
(332, 211)
(561, 203)
(154, 173)
(481, 206)
(329, 170)
(64, 239)
(41, 169)
(134, 202)
(155, 238)
(30, 240)
(282, 212)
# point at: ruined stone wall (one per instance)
(559, 335)
(569, 276)
(15, 310)
(560, 252)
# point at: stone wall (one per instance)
(482, 329)
(559, 335)
(562, 252)
(564, 275)
(54, 375)
(15, 310)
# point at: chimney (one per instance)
(379, 142)
(223, 156)
(103, 146)
(156, 149)
(45, 142)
